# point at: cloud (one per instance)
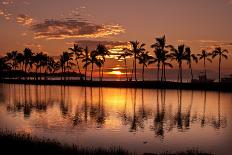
(115, 47)
(25, 20)
(5, 15)
(33, 46)
(71, 28)
(7, 2)
(92, 44)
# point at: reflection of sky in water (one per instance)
(136, 119)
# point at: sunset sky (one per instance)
(52, 26)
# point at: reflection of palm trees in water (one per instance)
(160, 114)
(101, 115)
(97, 112)
(78, 116)
(124, 113)
(63, 102)
(27, 105)
(203, 117)
(143, 112)
(137, 120)
(219, 122)
(134, 120)
(178, 117)
(187, 117)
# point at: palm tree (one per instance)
(20, 59)
(50, 64)
(144, 59)
(161, 54)
(102, 52)
(27, 54)
(11, 58)
(126, 53)
(190, 57)
(78, 51)
(205, 56)
(179, 55)
(93, 59)
(221, 53)
(165, 56)
(65, 61)
(85, 59)
(136, 49)
(4, 66)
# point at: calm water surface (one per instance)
(139, 120)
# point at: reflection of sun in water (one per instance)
(116, 73)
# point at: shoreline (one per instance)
(27, 144)
(214, 86)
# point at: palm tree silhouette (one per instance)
(160, 54)
(78, 51)
(205, 56)
(165, 56)
(11, 58)
(190, 57)
(93, 59)
(102, 52)
(221, 53)
(85, 59)
(4, 66)
(19, 59)
(27, 53)
(179, 55)
(66, 61)
(126, 53)
(136, 49)
(144, 59)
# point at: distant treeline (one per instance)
(37, 65)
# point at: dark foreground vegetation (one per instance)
(12, 143)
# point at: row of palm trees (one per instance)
(164, 54)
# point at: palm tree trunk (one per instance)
(219, 69)
(79, 70)
(191, 71)
(205, 70)
(158, 71)
(143, 72)
(164, 73)
(132, 72)
(92, 73)
(99, 74)
(180, 72)
(126, 69)
(86, 72)
(135, 68)
(102, 72)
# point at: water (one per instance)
(139, 120)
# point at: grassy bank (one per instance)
(25, 144)
(128, 84)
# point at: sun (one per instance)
(116, 73)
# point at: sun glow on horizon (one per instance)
(116, 73)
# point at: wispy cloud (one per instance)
(35, 46)
(25, 20)
(115, 47)
(5, 15)
(72, 28)
(7, 2)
